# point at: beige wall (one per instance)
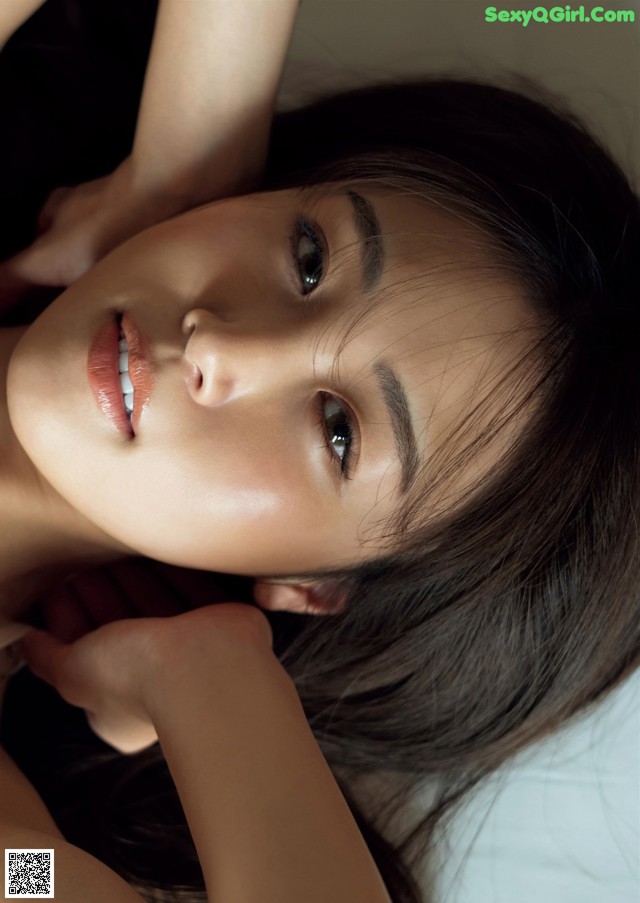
(596, 67)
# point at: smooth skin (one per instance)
(45, 529)
(268, 820)
(13, 14)
(232, 469)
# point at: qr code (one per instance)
(28, 873)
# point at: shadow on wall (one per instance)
(340, 44)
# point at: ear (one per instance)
(310, 598)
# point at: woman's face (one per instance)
(272, 441)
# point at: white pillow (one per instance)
(560, 823)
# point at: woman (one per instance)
(479, 581)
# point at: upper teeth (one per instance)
(123, 369)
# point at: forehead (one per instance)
(449, 320)
(443, 287)
(442, 295)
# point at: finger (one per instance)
(46, 656)
(43, 223)
(56, 258)
(12, 631)
(11, 660)
(26, 269)
(50, 208)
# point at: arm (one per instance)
(266, 815)
(13, 13)
(209, 94)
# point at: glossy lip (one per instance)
(139, 367)
(102, 371)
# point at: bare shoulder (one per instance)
(26, 824)
(77, 875)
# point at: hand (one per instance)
(110, 672)
(76, 227)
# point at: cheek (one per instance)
(228, 513)
(194, 503)
(193, 509)
(190, 505)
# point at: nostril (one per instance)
(192, 376)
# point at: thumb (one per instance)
(50, 208)
(56, 258)
(25, 273)
(33, 266)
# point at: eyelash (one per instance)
(345, 462)
(304, 228)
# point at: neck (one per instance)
(42, 538)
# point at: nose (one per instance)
(224, 361)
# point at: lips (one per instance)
(102, 370)
(139, 367)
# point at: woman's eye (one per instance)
(338, 431)
(309, 252)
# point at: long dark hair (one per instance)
(488, 628)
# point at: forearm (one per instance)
(267, 817)
(210, 87)
(12, 15)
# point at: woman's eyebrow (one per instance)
(395, 399)
(368, 228)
